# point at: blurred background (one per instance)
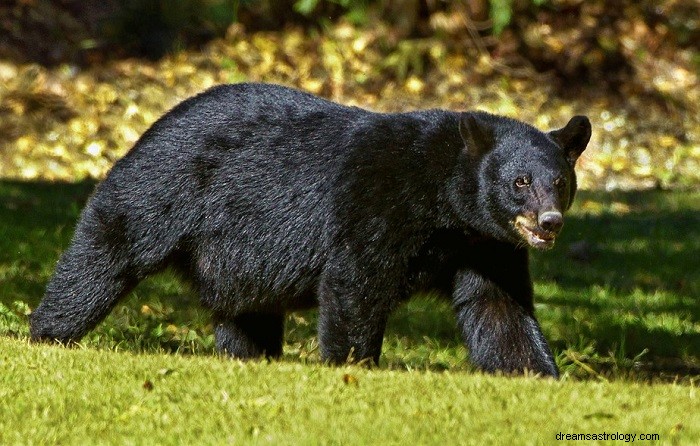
(81, 80)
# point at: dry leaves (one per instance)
(67, 123)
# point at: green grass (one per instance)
(63, 396)
(621, 313)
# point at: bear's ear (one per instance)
(476, 132)
(573, 138)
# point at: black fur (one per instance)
(271, 200)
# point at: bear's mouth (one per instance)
(533, 234)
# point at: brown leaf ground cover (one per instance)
(68, 122)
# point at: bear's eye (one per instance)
(523, 181)
(560, 182)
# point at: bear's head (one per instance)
(524, 178)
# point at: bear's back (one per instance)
(246, 173)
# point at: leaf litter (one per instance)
(67, 123)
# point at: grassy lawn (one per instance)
(617, 298)
(59, 396)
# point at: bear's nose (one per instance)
(551, 221)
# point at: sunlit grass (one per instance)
(76, 396)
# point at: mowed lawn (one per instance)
(57, 396)
(618, 298)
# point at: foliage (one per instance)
(597, 41)
(501, 12)
(355, 11)
(69, 123)
(152, 28)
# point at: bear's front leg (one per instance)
(352, 320)
(496, 316)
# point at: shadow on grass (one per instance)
(36, 223)
(623, 278)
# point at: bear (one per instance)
(268, 199)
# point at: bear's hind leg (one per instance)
(249, 335)
(111, 252)
(89, 280)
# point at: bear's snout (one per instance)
(551, 221)
(531, 229)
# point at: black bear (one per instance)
(270, 200)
